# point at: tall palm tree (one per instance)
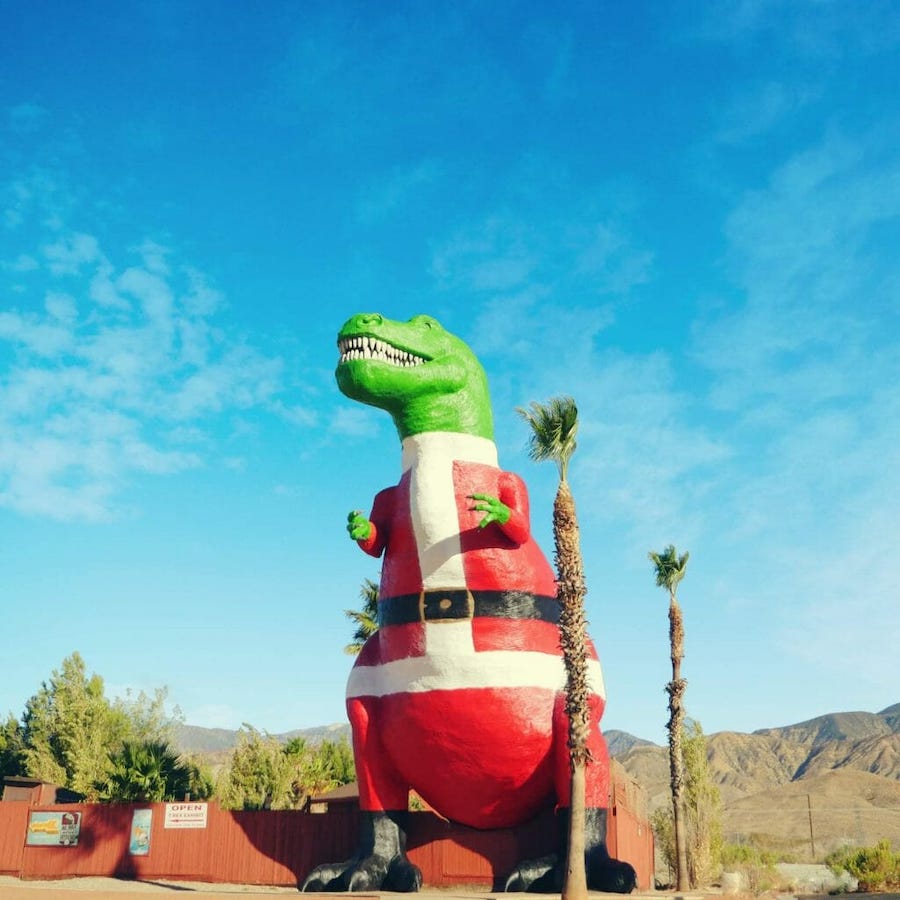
(670, 569)
(366, 619)
(553, 429)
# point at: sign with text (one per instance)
(185, 815)
(53, 829)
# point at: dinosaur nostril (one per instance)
(371, 318)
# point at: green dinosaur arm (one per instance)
(358, 526)
(494, 509)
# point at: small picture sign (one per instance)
(141, 820)
(53, 829)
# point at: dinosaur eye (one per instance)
(424, 322)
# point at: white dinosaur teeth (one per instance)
(365, 347)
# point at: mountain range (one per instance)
(805, 788)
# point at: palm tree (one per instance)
(670, 569)
(366, 619)
(146, 771)
(553, 429)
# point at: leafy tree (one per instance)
(702, 808)
(553, 429)
(317, 769)
(146, 771)
(337, 762)
(670, 569)
(260, 775)
(702, 818)
(366, 619)
(12, 747)
(147, 717)
(69, 727)
(202, 784)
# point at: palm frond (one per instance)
(554, 425)
(365, 619)
(670, 567)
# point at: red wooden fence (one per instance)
(281, 847)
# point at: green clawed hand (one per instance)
(358, 526)
(493, 509)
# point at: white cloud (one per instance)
(103, 290)
(805, 253)
(115, 376)
(493, 255)
(35, 334)
(565, 249)
(299, 415)
(353, 421)
(610, 262)
(152, 291)
(24, 263)
(804, 364)
(70, 253)
(61, 307)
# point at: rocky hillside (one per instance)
(817, 784)
(193, 739)
(848, 726)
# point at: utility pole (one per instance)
(812, 843)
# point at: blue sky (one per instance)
(684, 215)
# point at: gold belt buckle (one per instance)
(446, 603)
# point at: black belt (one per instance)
(459, 603)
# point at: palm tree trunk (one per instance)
(675, 689)
(571, 590)
(575, 880)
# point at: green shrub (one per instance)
(756, 865)
(876, 868)
(747, 855)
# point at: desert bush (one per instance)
(747, 854)
(876, 868)
(702, 814)
(664, 835)
(756, 864)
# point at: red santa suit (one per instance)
(459, 694)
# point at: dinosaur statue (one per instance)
(459, 694)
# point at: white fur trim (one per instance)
(488, 669)
(432, 496)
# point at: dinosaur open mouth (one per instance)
(364, 347)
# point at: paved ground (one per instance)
(118, 889)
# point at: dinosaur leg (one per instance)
(380, 861)
(545, 874)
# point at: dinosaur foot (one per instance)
(380, 862)
(539, 876)
(545, 876)
(372, 873)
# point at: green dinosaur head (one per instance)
(425, 377)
